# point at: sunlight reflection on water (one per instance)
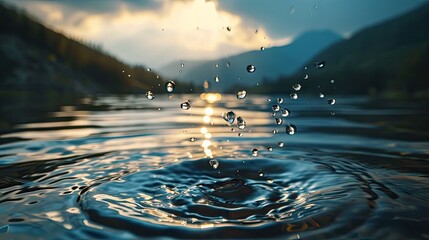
(120, 164)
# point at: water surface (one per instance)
(128, 167)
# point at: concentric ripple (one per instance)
(246, 197)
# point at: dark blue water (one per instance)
(125, 168)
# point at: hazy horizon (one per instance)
(156, 33)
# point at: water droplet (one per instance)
(241, 123)
(332, 113)
(169, 86)
(182, 65)
(240, 134)
(157, 76)
(270, 181)
(206, 85)
(262, 48)
(241, 94)
(185, 105)
(250, 68)
(228, 64)
(232, 130)
(321, 95)
(216, 65)
(148, 69)
(150, 95)
(280, 100)
(273, 114)
(331, 101)
(332, 81)
(294, 96)
(229, 116)
(192, 139)
(291, 129)
(255, 152)
(260, 173)
(270, 149)
(129, 75)
(285, 112)
(279, 121)
(216, 78)
(281, 144)
(268, 99)
(276, 108)
(321, 64)
(228, 28)
(256, 31)
(306, 76)
(214, 163)
(275, 131)
(296, 86)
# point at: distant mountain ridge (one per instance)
(37, 60)
(270, 64)
(389, 58)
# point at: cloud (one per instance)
(155, 36)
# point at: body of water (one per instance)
(126, 167)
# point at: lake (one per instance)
(126, 167)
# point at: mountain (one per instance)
(270, 63)
(37, 60)
(390, 58)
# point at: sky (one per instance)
(154, 32)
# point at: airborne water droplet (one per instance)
(150, 95)
(306, 76)
(279, 121)
(294, 96)
(270, 181)
(169, 86)
(216, 78)
(275, 131)
(228, 28)
(229, 116)
(214, 163)
(276, 108)
(241, 94)
(281, 144)
(320, 64)
(182, 65)
(260, 173)
(296, 87)
(270, 149)
(255, 152)
(192, 139)
(332, 81)
(331, 101)
(262, 48)
(250, 68)
(185, 105)
(241, 123)
(280, 100)
(291, 129)
(321, 95)
(285, 112)
(148, 69)
(240, 134)
(273, 114)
